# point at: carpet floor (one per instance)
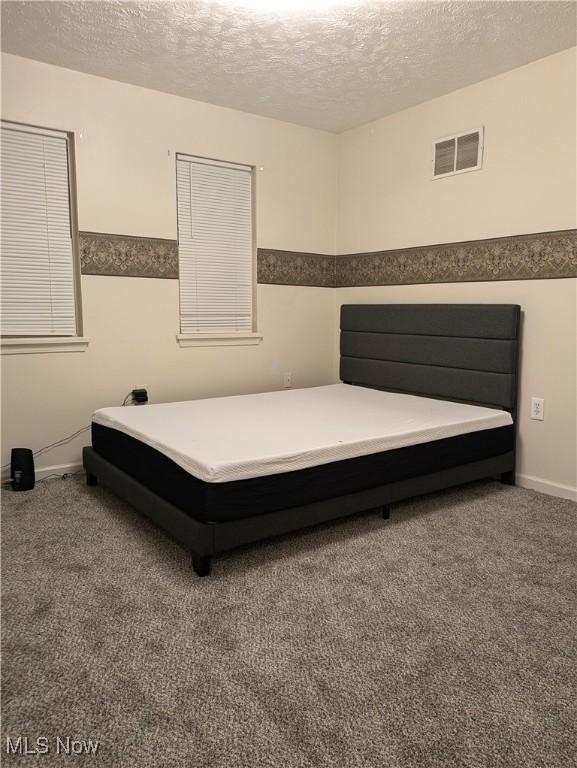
(445, 637)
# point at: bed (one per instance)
(427, 400)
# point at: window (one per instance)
(216, 249)
(39, 279)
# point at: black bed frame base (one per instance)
(204, 540)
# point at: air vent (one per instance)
(458, 154)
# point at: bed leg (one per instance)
(386, 511)
(508, 477)
(91, 479)
(201, 564)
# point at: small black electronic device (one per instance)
(22, 469)
(139, 396)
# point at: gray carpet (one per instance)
(446, 637)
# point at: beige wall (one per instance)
(126, 185)
(387, 199)
(132, 324)
(126, 176)
(547, 457)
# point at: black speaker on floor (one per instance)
(22, 469)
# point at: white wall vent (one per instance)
(460, 153)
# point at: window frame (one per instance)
(240, 338)
(14, 343)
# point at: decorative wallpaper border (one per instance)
(126, 256)
(520, 257)
(296, 268)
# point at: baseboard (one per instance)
(547, 486)
(57, 469)
(525, 481)
(40, 474)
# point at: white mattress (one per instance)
(236, 438)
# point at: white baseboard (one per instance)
(41, 473)
(525, 481)
(57, 469)
(547, 486)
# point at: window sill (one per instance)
(218, 339)
(37, 345)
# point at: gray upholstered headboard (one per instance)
(464, 352)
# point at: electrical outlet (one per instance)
(139, 396)
(287, 380)
(538, 408)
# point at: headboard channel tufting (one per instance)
(463, 352)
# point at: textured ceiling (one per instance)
(335, 67)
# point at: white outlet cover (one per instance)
(538, 408)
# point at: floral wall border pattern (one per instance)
(544, 255)
(519, 257)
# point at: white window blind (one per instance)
(215, 246)
(37, 284)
